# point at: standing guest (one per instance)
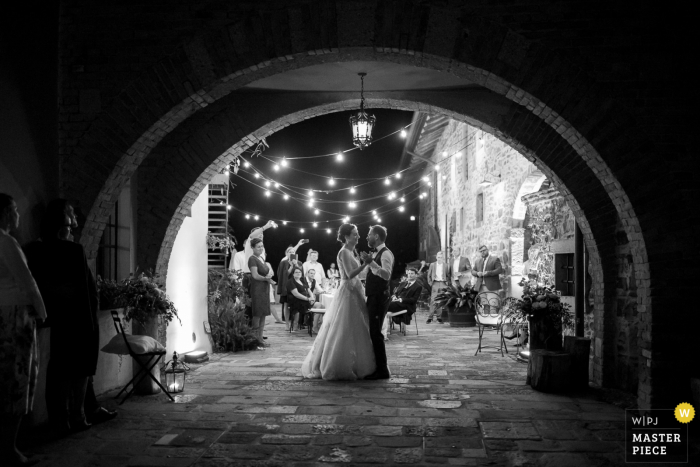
(261, 275)
(70, 294)
(486, 270)
(438, 273)
(460, 268)
(256, 232)
(283, 271)
(333, 274)
(273, 310)
(238, 263)
(405, 298)
(299, 296)
(312, 263)
(20, 306)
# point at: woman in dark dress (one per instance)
(261, 275)
(299, 297)
(70, 294)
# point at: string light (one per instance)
(444, 153)
(246, 164)
(379, 219)
(374, 213)
(352, 190)
(284, 222)
(403, 133)
(247, 216)
(328, 230)
(351, 204)
(316, 212)
(387, 181)
(276, 167)
(301, 230)
(286, 197)
(315, 224)
(413, 218)
(267, 193)
(256, 218)
(228, 206)
(437, 167)
(339, 157)
(458, 154)
(257, 175)
(267, 182)
(284, 162)
(226, 172)
(346, 219)
(401, 208)
(311, 192)
(425, 179)
(277, 185)
(398, 175)
(311, 203)
(402, 199)
(331, 181)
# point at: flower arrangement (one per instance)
(461, 298)
(141, 295)
(539, 301)
(215, 242)
(227, 300)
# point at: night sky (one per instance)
(327, 134)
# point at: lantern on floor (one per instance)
(362, 123)
(175, 374)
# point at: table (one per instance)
(326, 300)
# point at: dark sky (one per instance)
(323, 135)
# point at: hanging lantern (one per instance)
(362, 123)
(175, 374)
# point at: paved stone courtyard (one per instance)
(442, 406)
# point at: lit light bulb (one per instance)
(328, 230)
(339, 157)
(257, 175)
(226, 172)
(444, 153)
(392, 195)
(424, 194)
(277, 185)
(402, 199)
(267, 193)
(398, 175)
(276, 167)
(346, 219)
(311, 192)
(284, 162)
(374, 213)
(286, 197)
(401, 208)
(387, 181)
(228, 206)
(315, 224)
(351, 204)
(316, 211)
(311, 203)
(301, 230)
(352, 190)
(459, 154)
(267, 182)
(413, 218)
(246, 164)
(284, 222)
(403, 133)
(437, 167)
(256, 218)
(426, 179)
(379, 219)
(331, 181)
(444, 177)
(247, 216)
(430, 183)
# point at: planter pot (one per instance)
(147, 386)
(544, 335)
(461, 317)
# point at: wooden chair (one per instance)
(150, 360)
(489, 316)
(402, 326)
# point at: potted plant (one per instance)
(459, 302)
(227, 301)
(546, 314)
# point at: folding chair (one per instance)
(514, 327)
(402, 326)
(145, 368)
(489, 316)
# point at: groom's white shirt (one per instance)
(383, 271)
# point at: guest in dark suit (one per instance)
(405, 298)
(486, 270)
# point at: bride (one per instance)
(343, 349)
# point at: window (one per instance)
(564, 274)
(480, 207)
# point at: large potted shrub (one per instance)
(143, 299)
(459, 302)
(227, 301)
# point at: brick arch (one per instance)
(147, 111)
(530, 183)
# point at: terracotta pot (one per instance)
(147, 385)
(461, 317)
(544, 335)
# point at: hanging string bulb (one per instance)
(267, 182)
(276, 167)
(398, 175)
(284, 162)
(257, 175)
(339, 157)
(387, 181)
(403, 133)
(351, 204)
(352, 190)
(316, 211)
(286, 197)
(247, 216)
(246, 164)
(331, 181)
(315, 224)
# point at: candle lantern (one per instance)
(175, 374)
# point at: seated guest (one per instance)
(316, 290)
(299, 298)
(405, 298)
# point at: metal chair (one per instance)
(514, 326)
(488, 316)
(151, 360)
(402, 326)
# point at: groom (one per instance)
(380, 265)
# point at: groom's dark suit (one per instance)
(377, 291)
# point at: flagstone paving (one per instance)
(443, 406)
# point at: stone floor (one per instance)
(442, 406)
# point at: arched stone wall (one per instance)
(558, 105)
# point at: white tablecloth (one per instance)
(326, 300)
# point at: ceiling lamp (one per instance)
(362, 123)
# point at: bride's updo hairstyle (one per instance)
(344, 231)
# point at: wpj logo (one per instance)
(661, 436)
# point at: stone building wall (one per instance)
(457, 184)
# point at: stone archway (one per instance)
(119, 141)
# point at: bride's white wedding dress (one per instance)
(343, 349)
